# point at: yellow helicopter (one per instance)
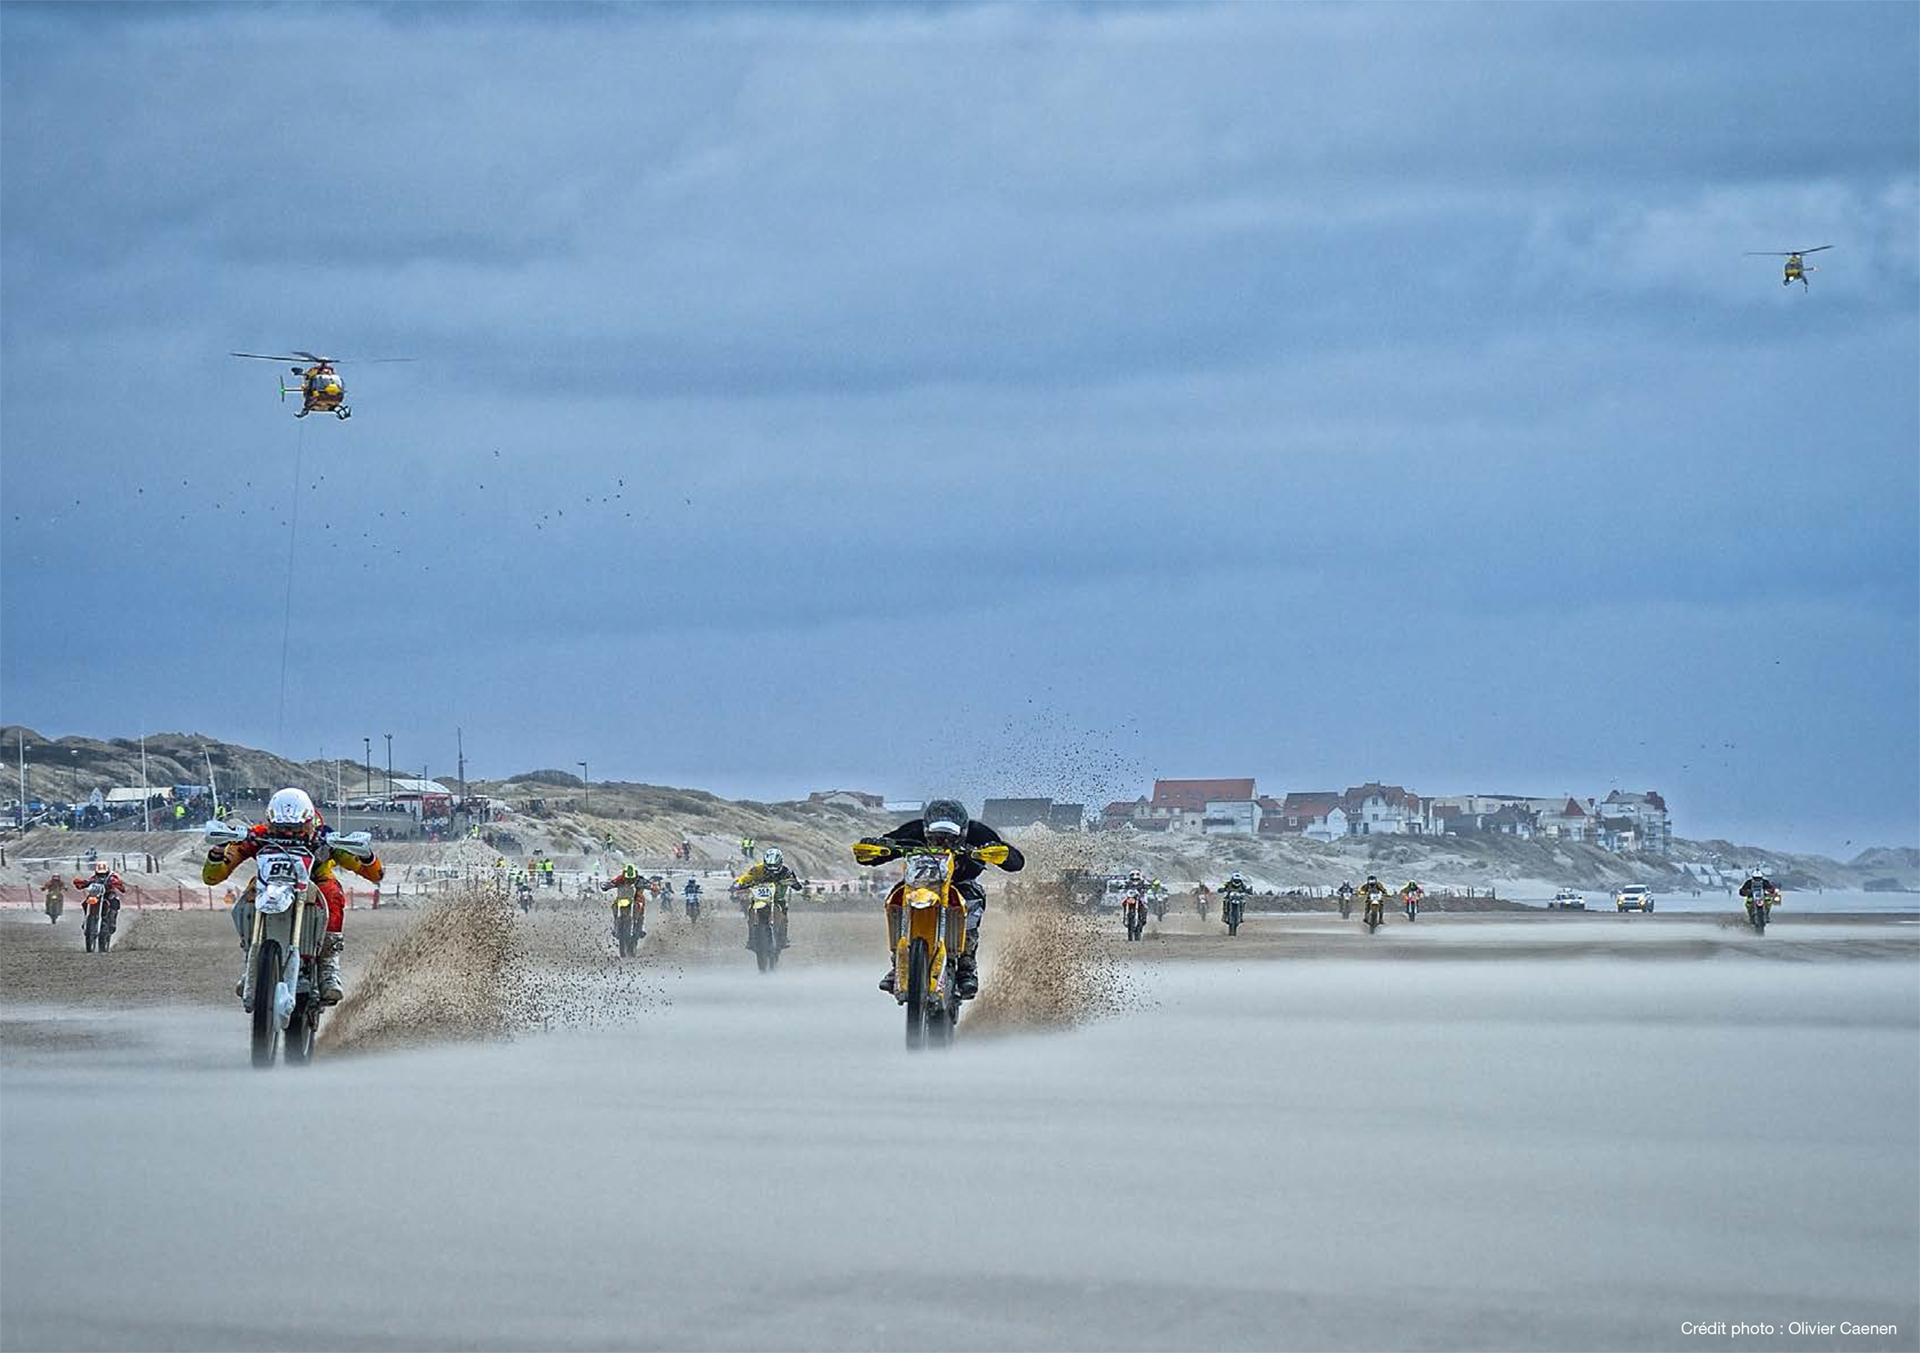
(321, 390)
(1796, 268)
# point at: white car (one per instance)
(1567, 900)
(1634, 897)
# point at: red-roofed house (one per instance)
(1653, 830)
(1375, 809)
(1569, 822)
(1183, 804)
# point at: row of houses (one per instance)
(1234, 807)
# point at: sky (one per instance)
(996, 398)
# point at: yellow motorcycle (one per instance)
(763, 932)
(928, 918)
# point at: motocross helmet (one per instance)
(1236, 877)
(773, 857)
(629, 872)
(946, 822)
(1136, 877)
(290, 810)
(101, 869)
(1373, 878)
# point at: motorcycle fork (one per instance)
(253, 947)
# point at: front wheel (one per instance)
(91, 928)
(918, 962)
(266, 977)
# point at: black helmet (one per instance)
(946, 822)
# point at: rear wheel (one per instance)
(763, 945)
(266, 975)
(918, 962)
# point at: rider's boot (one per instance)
(246, 957)
(966, 976)
(330, 967)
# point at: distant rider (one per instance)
(55, 889)
(111, 890)
(1235, 889)
(629, 887)
(692, 892)
(1759, 890)
(1411, 894)
(292, 818)
(944, 825)
(771, 869)
(1373, 890)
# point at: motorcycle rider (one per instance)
(292, 818)
(1411, 893)
(55, 889)
(944, 825)
(772, 869)
(1235, 889)
(1373, 890)
(1759, 890)
(692, 892)
(112, 887)
(630, 887)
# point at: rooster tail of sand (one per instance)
(450, 975)
(1046, 963)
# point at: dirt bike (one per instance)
(1233, 908)
(629, 924)
(930, 934)
(1346, 905)
(102, 919)
(1412, 901)
(526, 897)
(1759, 912)
(1133, 914)
(1159, 902)
(55, 905)
(1372, 914)
(281, 989)
(763, 935)
(693, 908)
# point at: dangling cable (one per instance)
(286, 623)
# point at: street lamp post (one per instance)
(368, 743)
(389, 737)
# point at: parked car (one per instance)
(1567, 900)
(1634, 897)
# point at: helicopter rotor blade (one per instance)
(310, 357)
(260, 357)
(1816, 249)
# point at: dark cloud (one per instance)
(1212, 349)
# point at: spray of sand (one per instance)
(451, 974)
(471, 966)
(1048, 965)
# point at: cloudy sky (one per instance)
(1008, 397)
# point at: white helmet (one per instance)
(773, 856)
(291, 809)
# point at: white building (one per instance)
(1231, 817)
(1332, 827)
